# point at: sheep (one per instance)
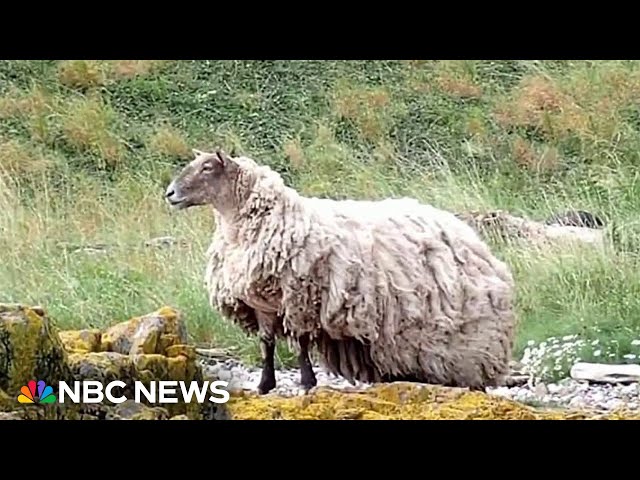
(389, 290)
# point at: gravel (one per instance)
(565, 393)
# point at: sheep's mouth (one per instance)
(179, 204)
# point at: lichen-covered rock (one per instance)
(152, 333)
(10, 416)
(29, 349)
(104, 367)
(130, 410)
(396, 401)
(81, 341)
(148, 348)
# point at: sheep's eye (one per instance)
(207, 167)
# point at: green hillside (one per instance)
(87, 148)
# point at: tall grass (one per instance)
(87, 148)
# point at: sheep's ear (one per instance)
(197, 153)
(222, 157)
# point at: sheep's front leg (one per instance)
(307, 376)
(267, 351)
(268, 378)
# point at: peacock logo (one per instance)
(28, 393)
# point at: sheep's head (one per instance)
(209, 179)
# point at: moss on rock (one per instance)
(398, 401)
(104, 367)
(81, 341)
(151, 333)
(29, 349)
(148, 348)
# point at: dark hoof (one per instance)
(266, 385)
(308, 383)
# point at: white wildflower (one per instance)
(597, 353)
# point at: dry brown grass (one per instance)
(455, 79)
(82, 74)
(459, 87)
(365, 107)
(125, 69)
(294, 152)
(34, 107)
(531, 157)
(88, 74)
(88, 126)
(540, 102)
(18, 159)
(22, 104)
(170, 142)
(603, 92)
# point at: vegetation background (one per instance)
(88, 147)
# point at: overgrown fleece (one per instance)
(87, 148)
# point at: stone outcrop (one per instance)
(29, 348)
(605, 373)
(147, 348)
(398, 401)
(510, 228)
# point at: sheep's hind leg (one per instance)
(268, 378)
(307, 376)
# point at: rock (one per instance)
(516, 380)
(130, 410)
(537, 234)
(179, 417)
(81, 341)
(30, 349)
(400, 400)
(540, 390)
(152, 333)
(214, 353)
(148, 348)
(224, 375)
(10, 416)
(555, 389)
(104, 367)
(630, 391)
(164, 242)
(188, 351)
(604, 373)
(576, 218)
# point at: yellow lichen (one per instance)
(188, 351)
(167, 341)
(177, 368)
(33, 350)
(151, 367)
(398, 401)
(151, 333)
(79, 341)
(103, 366)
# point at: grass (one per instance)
(87, 148)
